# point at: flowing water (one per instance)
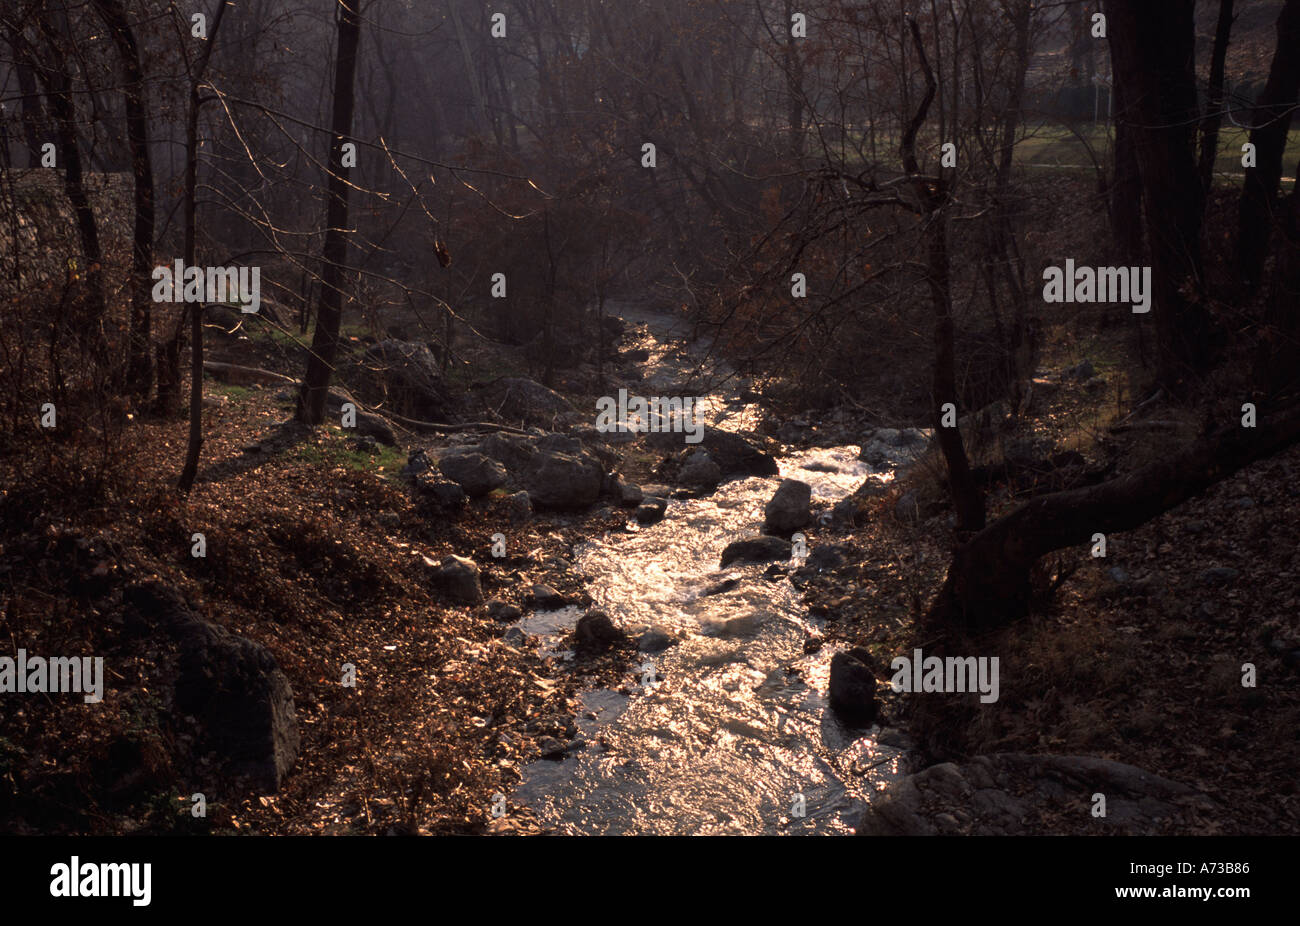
(728, 731)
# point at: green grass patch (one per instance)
(337, 448)
(231, 392)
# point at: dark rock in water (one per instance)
(550, 748)
(635, 355)
(827, 556)
(239, 698)
(734, 454)
(700, 471)
(755, 550)
(595, 632)
(745, 627)
(475, 473)
(458, 577)
(853, 690)
(503, 611)
(651, 510)
(654, 641)
(719, 588)
(630, 495)
(545, 598)
(788, 509)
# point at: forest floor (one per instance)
(1140, 655)
(317, 549)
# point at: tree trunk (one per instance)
(139, 369)
(1153, 45)
(966, 496)
(52, 72)
(33, 116)
(195, 310)
(325, 340)
(989, 581)
(1272, 121)
(1214, 106)
(1126, 184)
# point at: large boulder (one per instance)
(239, 700)
(700, 472)
(1013, 794)
(458, 578)
(735, 455)
(755, 550)
(788, 510)
(515, 452)
(564, 481)
(475, 473)
(651, 510)
(520, 399)
(596, 632)
(853, 690)
(406, 374)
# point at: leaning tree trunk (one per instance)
(989, 582)
(325, 340)
(1272, 122)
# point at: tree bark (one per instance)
(1125, 199)
(139, 369)
(1214, 105)
(33, 116)
(195, 310)
(1153, 44)
(1272, 122)
(967, 498)
(52, 72)
(325, 340)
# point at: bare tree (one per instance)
(325, 342)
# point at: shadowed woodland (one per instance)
(832, 222)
